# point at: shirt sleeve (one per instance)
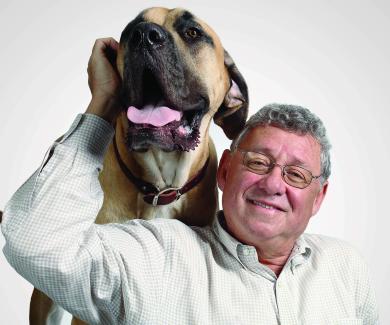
(366, 307)
(53, 242)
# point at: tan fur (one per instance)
(122, 201)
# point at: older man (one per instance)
(253, 266)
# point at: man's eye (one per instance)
(257, 164)
(296, 175)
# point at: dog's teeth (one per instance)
(184, 129)
(184, 122)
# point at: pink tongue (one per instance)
(156, 116)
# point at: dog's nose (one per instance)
(148, 34)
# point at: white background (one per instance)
(330, 56)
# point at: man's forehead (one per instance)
(292, 147)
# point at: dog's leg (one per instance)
(76, 321)
(40, 307)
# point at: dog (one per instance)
(176, 78)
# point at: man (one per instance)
(253, 266)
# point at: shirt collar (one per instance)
(227, 240)
(300, 253)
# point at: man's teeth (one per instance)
(262, 205)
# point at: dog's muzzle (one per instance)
(148, 35)
(164, 101)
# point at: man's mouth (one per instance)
(265, 205)
(156, 121)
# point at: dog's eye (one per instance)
(193, 33)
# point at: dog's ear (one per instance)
(231, 115)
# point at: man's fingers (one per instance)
(113, 43)
(106, 47)
(101, 44)
(111, 51)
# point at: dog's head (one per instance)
(176, 76)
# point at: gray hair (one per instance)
(295, 119)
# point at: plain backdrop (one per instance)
(329, 56)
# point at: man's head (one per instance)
(277, 205)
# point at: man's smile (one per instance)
(265, 205)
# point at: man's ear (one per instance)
(319, 198)
(223, 168)
(231, 115)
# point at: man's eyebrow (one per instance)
(295, 161)
(300, 163)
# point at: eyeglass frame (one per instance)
(272, 166)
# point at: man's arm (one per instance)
(48, 224)
(367, 308)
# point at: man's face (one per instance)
(260, 208)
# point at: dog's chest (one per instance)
(165, 169)
(169, 211)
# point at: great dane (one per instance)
(176, 77)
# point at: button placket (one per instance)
(284, 301)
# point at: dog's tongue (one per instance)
(153, 115)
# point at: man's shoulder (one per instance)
(172, 230)
(173, 225)
(331, 247)
(340, 260)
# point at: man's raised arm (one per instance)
(48, 224)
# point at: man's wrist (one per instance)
(104, 107)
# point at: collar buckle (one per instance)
(166, 191)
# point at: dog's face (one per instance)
(176, 76)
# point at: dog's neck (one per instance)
(164, 169)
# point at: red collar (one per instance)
(152, 194)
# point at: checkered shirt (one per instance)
(162, 272)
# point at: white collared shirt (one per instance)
(162, 272)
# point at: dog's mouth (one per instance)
(155, 119)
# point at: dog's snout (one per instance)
(148, 34)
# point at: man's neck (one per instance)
(276, 263)
(274, 255)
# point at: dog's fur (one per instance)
(195, 75)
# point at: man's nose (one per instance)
(273, 182)
(148, 34)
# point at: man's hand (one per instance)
(104, 80)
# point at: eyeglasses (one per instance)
(261, 164)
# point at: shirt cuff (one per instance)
(90, 133)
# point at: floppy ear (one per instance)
(231, 115)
